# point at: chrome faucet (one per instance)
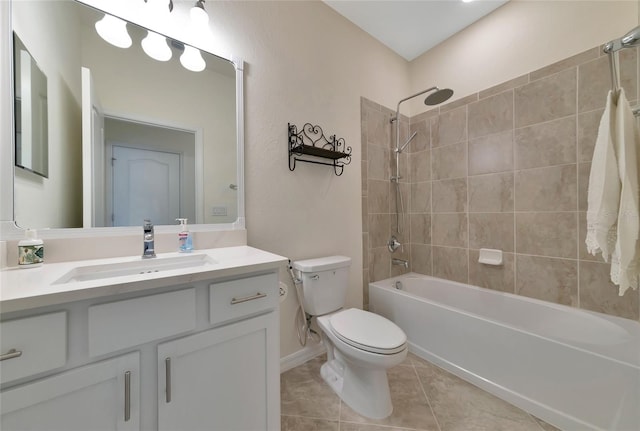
(402, 262)
(148, 250)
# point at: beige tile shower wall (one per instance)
(509, 169)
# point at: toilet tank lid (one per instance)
(322, 263)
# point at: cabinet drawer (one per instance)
(122, 324)
(235, 299)
(40, 344)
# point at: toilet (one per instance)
(360, 345)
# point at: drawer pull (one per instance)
(247, 298)
(127, 396)
(13, 353)
(167, 377)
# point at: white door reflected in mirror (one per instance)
(146, 185)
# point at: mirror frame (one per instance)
(43, 144)
(9, 230)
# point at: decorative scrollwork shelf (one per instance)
(310, 141)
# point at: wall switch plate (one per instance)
(218, 211)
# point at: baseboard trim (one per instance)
(303, 355)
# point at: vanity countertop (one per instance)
(26, 288)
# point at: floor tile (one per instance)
(410, 407)
(460, 406)
(348, 426)
(417, 361)
(425, 398)
(545, 426)
(304, 393)
(299, 423)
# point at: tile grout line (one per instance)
(533, 419)
(467, 206)
(415, 371)
(513, 185)
(577, 191)
(431, 272)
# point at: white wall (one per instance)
(54, 201)
(519, 37)
(305, 64)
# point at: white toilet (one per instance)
(360, 345)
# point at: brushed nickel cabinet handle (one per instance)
(247, 298)
(167, 374)
(127, 396)
(13, 353)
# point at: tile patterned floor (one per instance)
(425, 398)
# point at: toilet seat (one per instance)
(368, 331)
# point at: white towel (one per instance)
(625, 265)
(603, 197)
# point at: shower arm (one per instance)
(408, 98)
(396, 120)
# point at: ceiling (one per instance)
(410, 28)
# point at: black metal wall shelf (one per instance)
(310, 141)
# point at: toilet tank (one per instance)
(324, 283)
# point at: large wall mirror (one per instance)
(129, 137)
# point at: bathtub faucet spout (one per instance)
(402, 262)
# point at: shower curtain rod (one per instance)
(611, 48)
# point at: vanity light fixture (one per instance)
(192, 60)
(156, 47)
(198, 14)
(114, 31)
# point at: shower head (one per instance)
(439, 96)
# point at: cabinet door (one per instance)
(224, 379)
(100, 396)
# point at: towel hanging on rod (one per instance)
(613, 213)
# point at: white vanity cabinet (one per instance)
(227, 377)
(204, 355)
(221, 378)
(100, 396)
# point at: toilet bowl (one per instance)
(361, 346)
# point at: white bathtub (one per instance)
(575, 369)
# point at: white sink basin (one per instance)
(142, 266)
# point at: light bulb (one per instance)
(158, 9)
(199, 16)
(192, 59)
(156, 46)
(114, 31)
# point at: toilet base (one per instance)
(364, 389)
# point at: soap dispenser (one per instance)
(185, 242)
(30, 250)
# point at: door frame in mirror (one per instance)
(9, 230)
